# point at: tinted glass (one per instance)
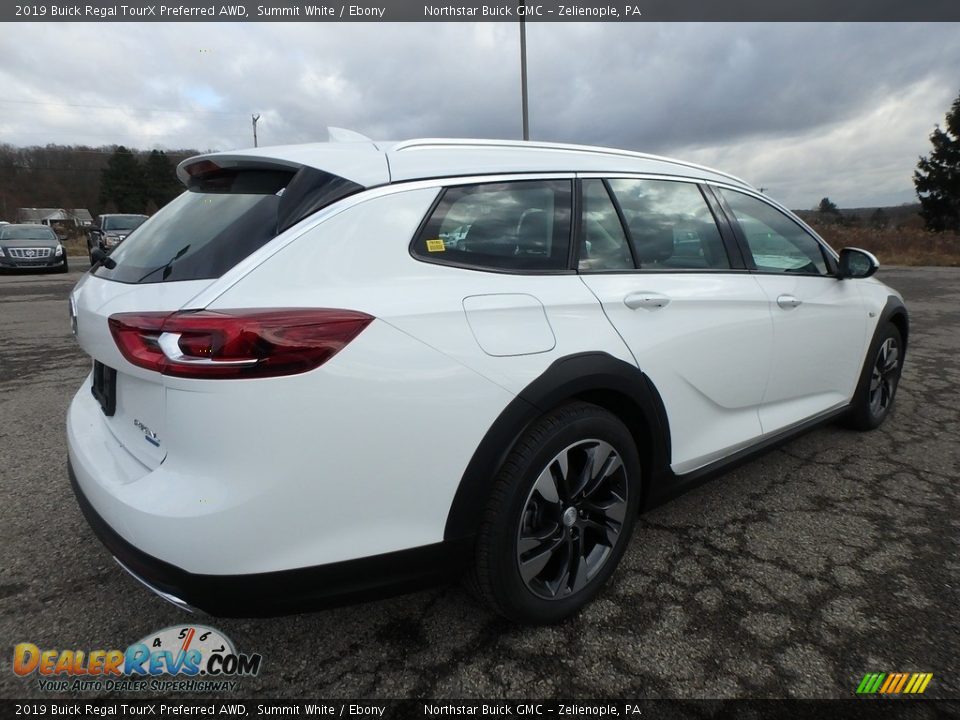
(222, 218)
(776, 242)
(603, 244)
(523, 225)
(123, 222)
(32, 232)
(670, 225)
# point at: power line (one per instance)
(93, 134)
(129, 142)
(99, 106)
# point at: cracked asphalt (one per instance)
(792, 576)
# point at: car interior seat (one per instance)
(652, 241)
(532, 233)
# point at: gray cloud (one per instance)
(804, 109)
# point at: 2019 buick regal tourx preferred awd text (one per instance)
(325, 371)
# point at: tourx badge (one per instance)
(149, 435)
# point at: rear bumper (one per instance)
(274, 495)
(286, 591)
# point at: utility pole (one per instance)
(254, 118)
(523, 76)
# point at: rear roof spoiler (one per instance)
(359, 161)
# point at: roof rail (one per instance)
(421, 143)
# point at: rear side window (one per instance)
(224, 216)
(512, 226)
(670, 225)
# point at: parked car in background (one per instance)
(24, 247)
(327, 368)
(110, 230)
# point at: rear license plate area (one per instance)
(104, 387)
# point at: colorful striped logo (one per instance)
(894, 683)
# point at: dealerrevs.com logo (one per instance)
(193, 658)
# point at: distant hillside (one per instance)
(901, 216)
(63, 176)
(896, 235)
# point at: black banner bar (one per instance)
(853, 709)
(475, 11)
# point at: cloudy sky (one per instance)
(804, 110)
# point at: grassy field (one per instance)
(75, 245)
(896, 246)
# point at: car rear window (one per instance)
(224, 216)
(521, 226)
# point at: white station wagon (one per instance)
(331, 369)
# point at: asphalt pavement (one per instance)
(792, 576)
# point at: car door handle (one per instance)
(646, 300)
(788, 302)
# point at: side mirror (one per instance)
(856, 263)
(99, 256)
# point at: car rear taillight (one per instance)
(235, 344)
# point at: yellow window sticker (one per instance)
(435, 245)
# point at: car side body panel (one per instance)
(359, 259)
(818, 347)
(707, 351)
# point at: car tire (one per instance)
(65, 268)
(559, 517)
(877, 389)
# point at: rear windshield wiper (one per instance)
(167, 267)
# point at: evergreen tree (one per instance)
(937, 177)
(122, 182)
(826, 207)
(828, 211)
(162, 185)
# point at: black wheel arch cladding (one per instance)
(895, 312)
(595, 377)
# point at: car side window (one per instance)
(777, 243)
(603, 243)
(512, 226)
(670, 225)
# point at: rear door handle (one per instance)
(646, 300)
(788, 302)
